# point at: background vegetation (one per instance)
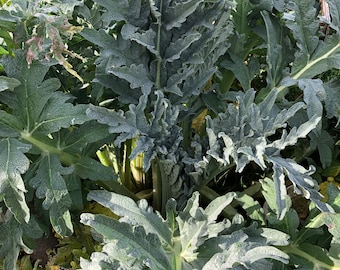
(158, 134)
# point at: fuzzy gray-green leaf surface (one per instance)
(14, 163)
(142, 247)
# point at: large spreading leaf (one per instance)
(77, 138)
(29, 97)
(249, 255)
(247, 247)
(242, 134)
(111, 257)
(13, 163)
(12, 235)
(198, 239)
(133, 213)
(202, 223)
(53, 118)
(278, 49)
(9, 125)
(315, 55)
(141, 247)
(89, 168)
(50, 186)
(35, 102)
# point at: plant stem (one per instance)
(126, 172)
(160, 186)
(281, 89)
(186, 130)
(158, 48)
(177, 260)
(292, 249)
(65, 158)
(157, 185)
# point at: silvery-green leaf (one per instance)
(92, 169)
(13, 163)
(332, 100)
(9, 125)
(37, 103)
(315, 55)
(138, 244)
(137, 76)
(50, 186)
(7, 83)
(313, 95)
(11, 241)
(301, 179)
(174, 50)
(178, 13)
(278, 54)
(132, 213)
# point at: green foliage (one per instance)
(35, 117)
(313, 245)
(188, 239)
(165, 100)
(40, 27)
(252, 143)
(158, 123)
(12, 238)
(35, 113)
(161, 77)
(44, 153)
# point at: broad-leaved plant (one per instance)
(156, 100)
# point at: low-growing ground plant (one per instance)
(207, 130)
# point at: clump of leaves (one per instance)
(156, 58)
(40, 27)
(33, 128)
(313, 241)
(69, 250)
(158, 65)
(159, 114)
(187, 239)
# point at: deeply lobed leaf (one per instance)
(138, 245)
(241, 135)
(198, 240)
(132, 213)
(13, 163)
(50, 186)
